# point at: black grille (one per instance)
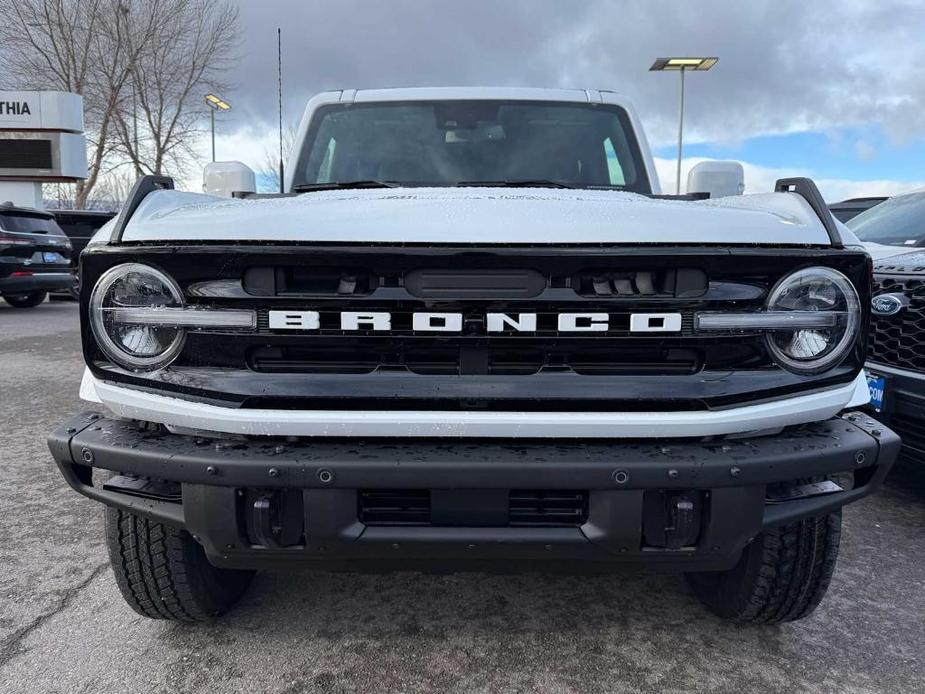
(525, 508)
(395, 506)
(548, 508)
(899, 340)
(912, 432)
(504, 356)
(496, 356)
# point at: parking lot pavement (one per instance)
(64, 627)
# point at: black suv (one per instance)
(80, 226)
(896, 347)
(35, 256)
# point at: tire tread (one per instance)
(163, 573)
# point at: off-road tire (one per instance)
(163, 572)
(782, 576)
(30, 300)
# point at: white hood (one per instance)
(878, 251)
(477, 215)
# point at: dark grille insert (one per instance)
(503, 357)
(526, 508)
(394, 506)
(912, 432)
(548, 507)
(899, 340)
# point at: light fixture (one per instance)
(661, 64)
(681, 65)
(217, 103)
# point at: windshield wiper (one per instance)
(343, 185)
(516, 183)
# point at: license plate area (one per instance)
(877, 385)
(53, 258)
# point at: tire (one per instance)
(163, 572)
(782, 575)
(30, 300)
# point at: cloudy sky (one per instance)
(830, 89)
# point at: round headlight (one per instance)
(811, 350)
(133, 345)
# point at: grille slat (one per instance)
(395, 507)
(526, 508)
(547, 508)
(911, 431)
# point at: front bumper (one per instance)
(904, 407)
(217, 490)
(37, 281)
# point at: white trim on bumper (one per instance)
(134, 404)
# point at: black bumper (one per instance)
(38, 281)
(904, 407)
(224, 492)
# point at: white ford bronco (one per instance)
(472, 333)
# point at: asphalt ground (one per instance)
(64, 626)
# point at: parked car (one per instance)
(471, 332)
(895, 234)
(35, 256)
(851, 208)
(80, 226)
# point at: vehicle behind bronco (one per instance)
(472, 332)
(35, 256)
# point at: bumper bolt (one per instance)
(875, 432)
(94, 416)
(273, 472)
(279, 450)
(70, 430)
(325, 476)
(673, 474)
(212, 470)
(621, 477)
(87, 455)
(859, 457)
(735, 471)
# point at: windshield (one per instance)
(470, 142)
(899, 221)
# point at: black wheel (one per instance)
(30, 300)
(782, 575)
(163, 573)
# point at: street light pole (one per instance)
(212, 114)
(681, 65)
(215, 103)
(680, 133)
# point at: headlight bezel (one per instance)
(851, 331)
(107, 345)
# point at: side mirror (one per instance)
(225, 178)
(718, 178)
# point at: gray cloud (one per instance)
(784, 65)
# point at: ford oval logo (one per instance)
(888, 304)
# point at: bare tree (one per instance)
(268, 173)
(79, 46)
(161, 51)
(168, 81)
